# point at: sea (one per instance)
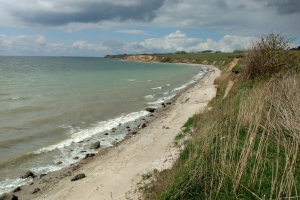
(53, 108)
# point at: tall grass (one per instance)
(250, 150)
(245, 147)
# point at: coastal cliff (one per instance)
(144, 58)
(166, 59)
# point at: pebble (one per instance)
(36, 190)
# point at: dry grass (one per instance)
(221, 79)
(246, 147)
(250, 152)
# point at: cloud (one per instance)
(22, 43)
(177, 34)
(228, 43)
(244, 18)
(83, 46)
(177, 41)
(173, 42)
(285, 7)
(134, 31)
(58, 13)
(37, 45)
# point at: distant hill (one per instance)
(120, 56)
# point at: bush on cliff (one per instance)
(269, 55)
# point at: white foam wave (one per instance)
(149, 96)
(180, 88)
(48, 168)
(168, 85)
(161, 100)
(130, 79)
(97, 128)
(9, 184)
(157, 88)
(15, 98)
(194, 79)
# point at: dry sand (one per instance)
(115, 173)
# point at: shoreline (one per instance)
(114, 171)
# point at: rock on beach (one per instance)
(8, 196)
(78, 177)
(17, 189)
(36, 190)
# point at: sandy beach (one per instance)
(113, 173)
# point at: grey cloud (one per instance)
(91, 12)
(241, 6)
(222, 4)
(285, 7)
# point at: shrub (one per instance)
(180, 52)
(240, 55)
(237, 69)
(268, 55)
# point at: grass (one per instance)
(247, 151)
(188, 125)
(238, 68)
(178, 138)
(246, 146)
(202, 56)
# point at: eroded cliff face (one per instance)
(144, 58)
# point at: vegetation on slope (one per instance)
(247, 145)
(215, 58)
(202, 56)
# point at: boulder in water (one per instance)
(150, 109)
(89, 155)
(27, 174)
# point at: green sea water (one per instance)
(49, 105)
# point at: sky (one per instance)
(100, 27)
